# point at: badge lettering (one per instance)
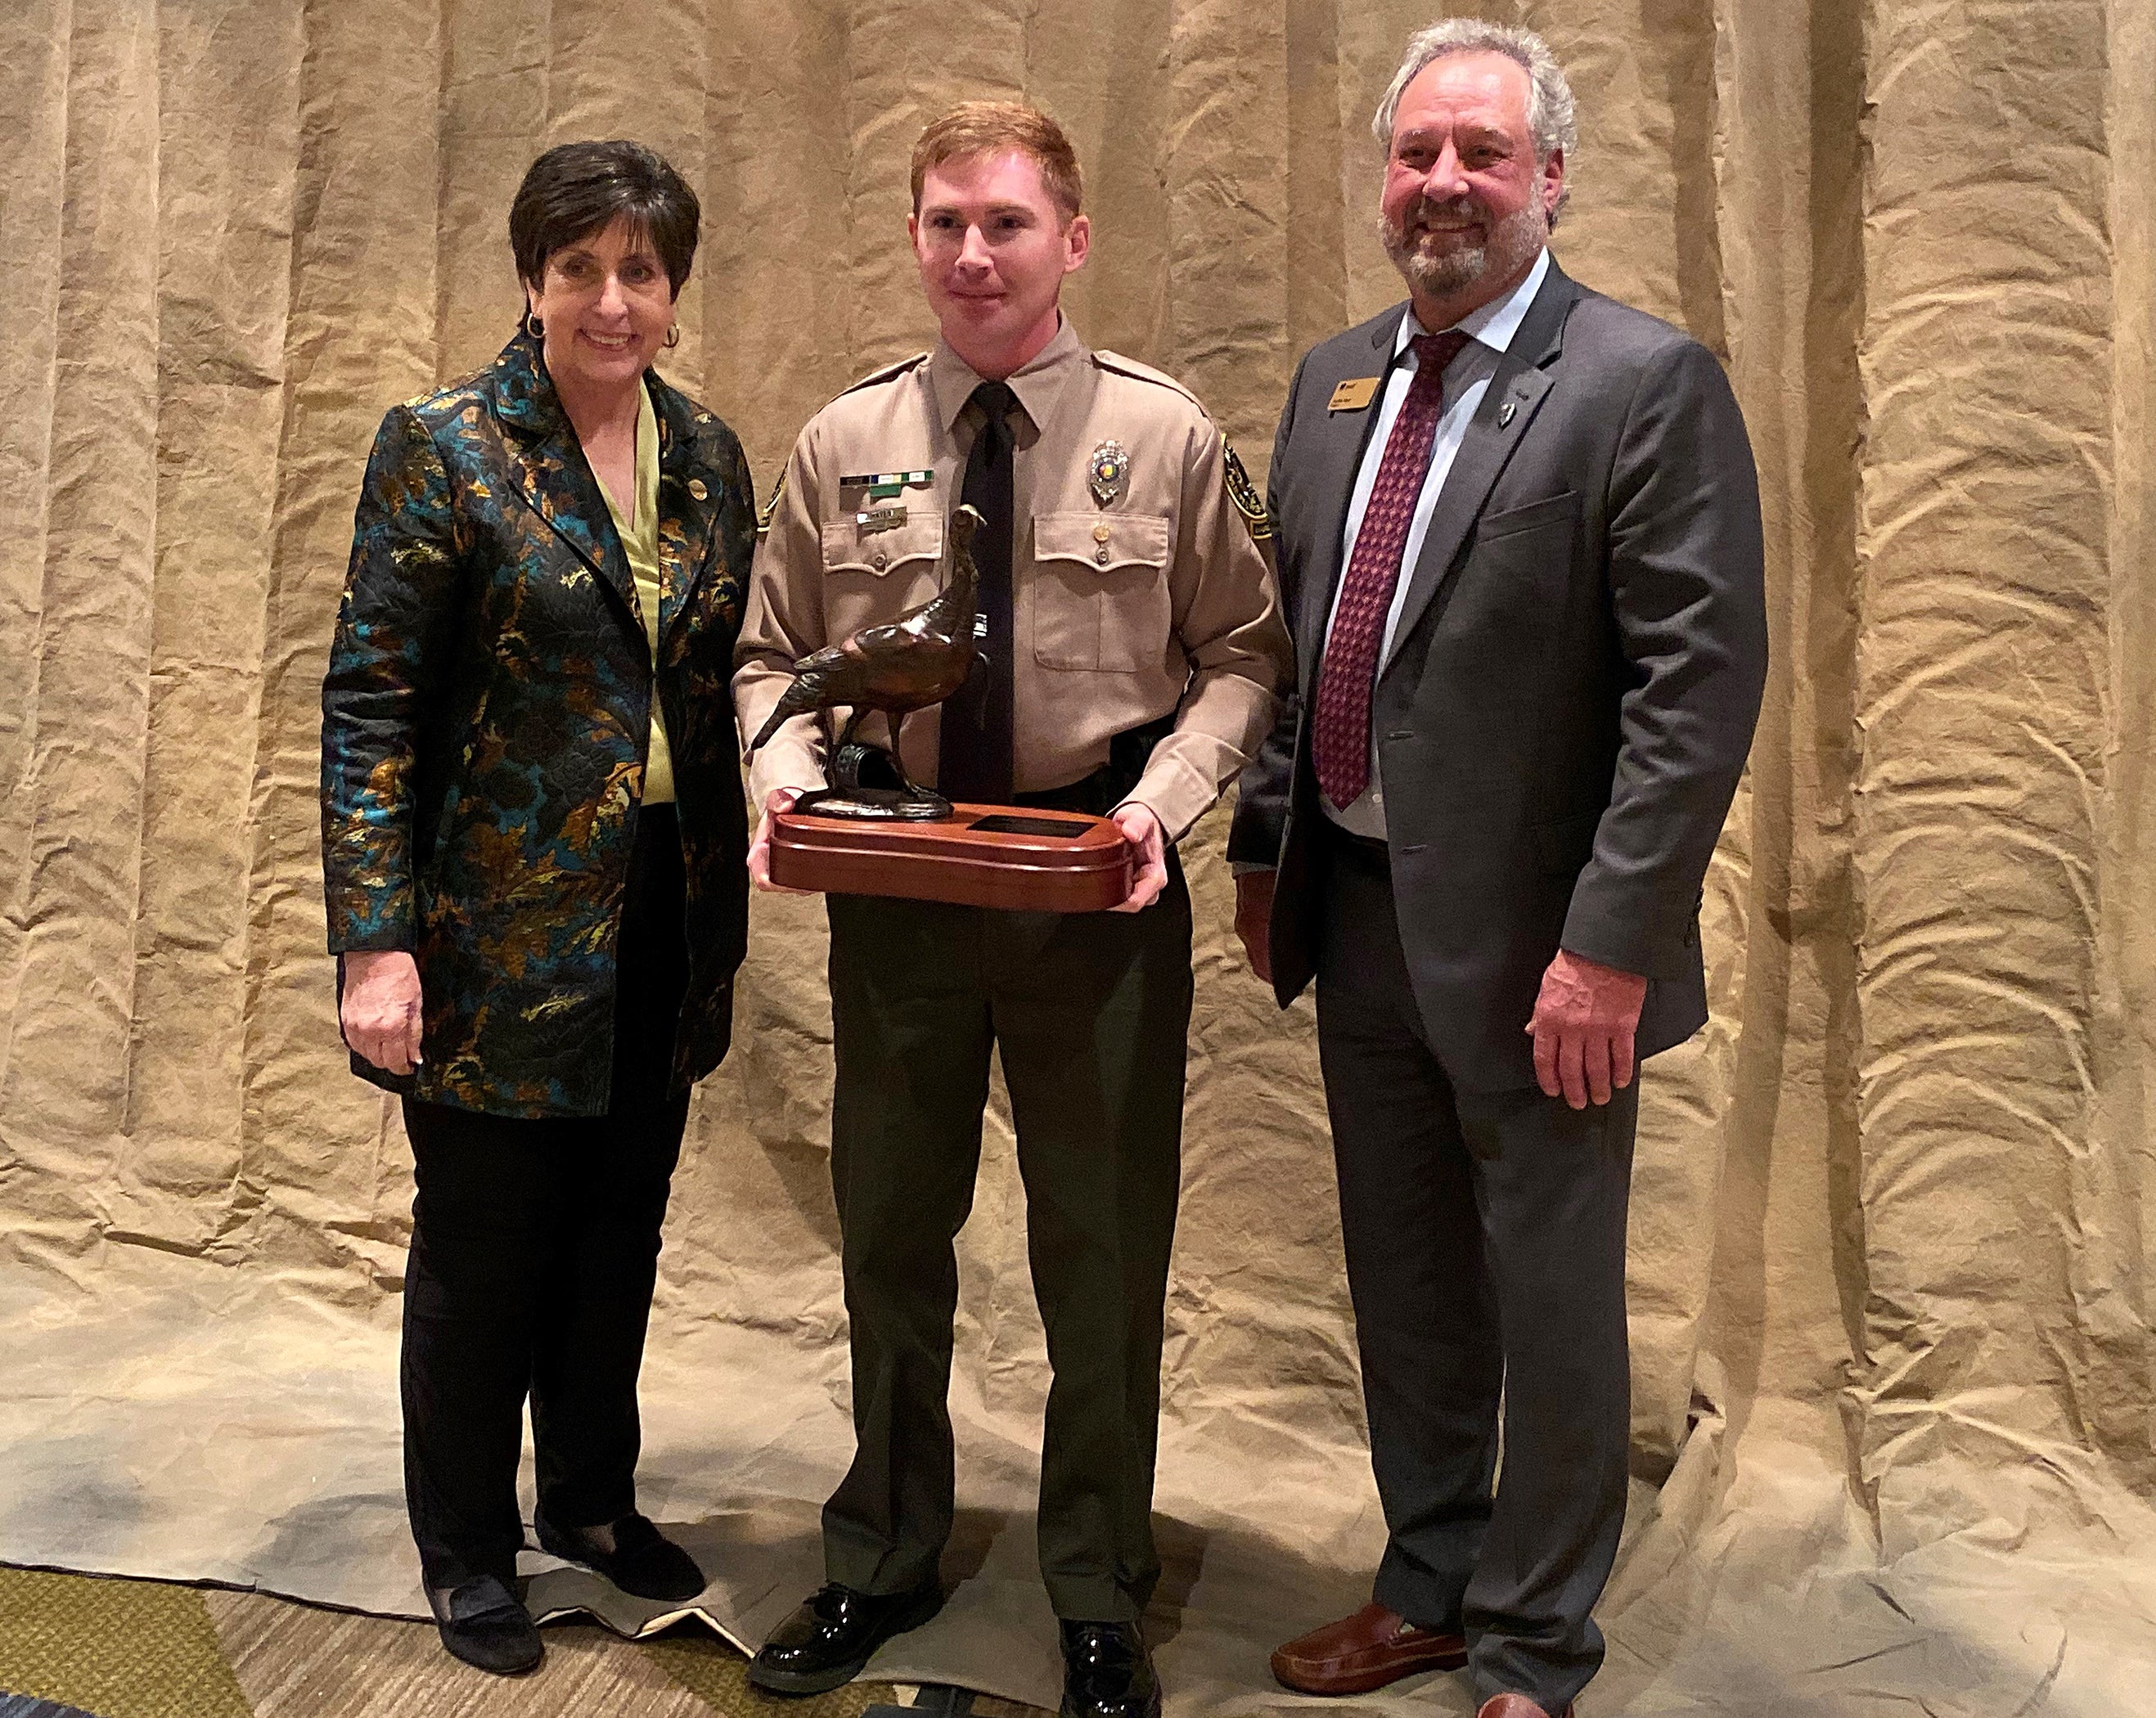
(1353, 394)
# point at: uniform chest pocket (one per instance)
(1100, 591)
(873, 575)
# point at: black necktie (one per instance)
(974, 759)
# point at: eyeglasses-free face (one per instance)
(994, 249)
(606, 304)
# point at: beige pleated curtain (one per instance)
(1892, 1240)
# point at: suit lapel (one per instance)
(549, 466)
(1509, 404)
(1483, 451)
(1342, 442)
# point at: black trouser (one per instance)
(1485, 1258)
(1090, 1013)
(535, 1244)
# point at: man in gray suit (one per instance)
(1519, 546)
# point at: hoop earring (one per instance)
(673, 336)
(532, 326)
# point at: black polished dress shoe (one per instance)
(630, 1552)
(483, 1623)
(1107, 1672)
(829, 1640)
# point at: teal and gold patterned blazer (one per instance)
(484, 720)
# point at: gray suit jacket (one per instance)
(1573, 684)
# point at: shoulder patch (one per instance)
(1116, 364)
(1244, 493)
(889, 372)
(769, 510)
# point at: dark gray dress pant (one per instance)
(1090, 1013)
(1484, 1237)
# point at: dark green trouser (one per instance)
(1091, 1012)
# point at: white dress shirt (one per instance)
(1493, 328)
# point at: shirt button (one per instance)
(1100, 532)
(1377, 800)
(879, 561)
(1101, 554)
(696, 488)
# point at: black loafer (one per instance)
(483, 1623)
(830, 1639)
(630, 1552)
(1107, 1672)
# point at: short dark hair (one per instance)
(577, 189)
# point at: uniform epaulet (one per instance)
(1122, 365)
(886, 374)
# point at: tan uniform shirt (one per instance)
(1154, 601)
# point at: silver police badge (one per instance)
(1110, 470)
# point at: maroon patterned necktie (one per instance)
(1340, 742)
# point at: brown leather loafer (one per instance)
(1374, 1647)
(1517, 1705)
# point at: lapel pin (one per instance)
(1504, 413)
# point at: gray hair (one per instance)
(1551, 117)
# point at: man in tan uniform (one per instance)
(1132, 651)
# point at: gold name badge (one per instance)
(1354, 393)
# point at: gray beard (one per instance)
(1510, 246)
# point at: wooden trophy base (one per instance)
(981, 856)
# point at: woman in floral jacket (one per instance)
(533, 841)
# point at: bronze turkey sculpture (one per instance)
(897, 667)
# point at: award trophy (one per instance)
(874, 831)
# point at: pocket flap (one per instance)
(849, 547)
(1101, 540)
(1549, 510)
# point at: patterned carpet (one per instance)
(112, 1649)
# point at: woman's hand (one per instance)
(779, 799)
(1142, 830)
(381, 1014)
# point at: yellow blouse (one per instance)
(641, 543)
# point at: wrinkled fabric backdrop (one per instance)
(1893, 1256)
